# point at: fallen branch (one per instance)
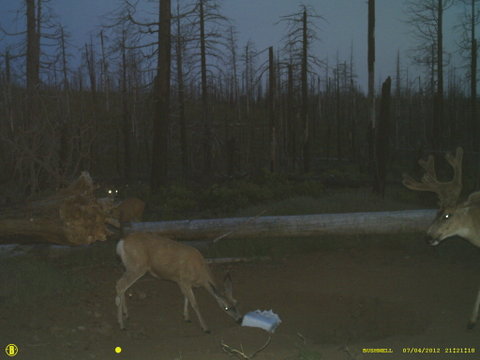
(240, 353)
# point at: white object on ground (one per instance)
(266, 320)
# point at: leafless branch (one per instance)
(240, 353)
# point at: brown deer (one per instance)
(453, 217)
(127, 210)
(130, 209)
(174, 261)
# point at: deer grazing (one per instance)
(453, 217)
(174, 261)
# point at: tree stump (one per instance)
(73, 216)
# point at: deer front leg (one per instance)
(123, 284)
(188, 293)
(120, 301)
(474, 317)
(186, 315)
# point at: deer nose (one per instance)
(431, 240)
(239, 320)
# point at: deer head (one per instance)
(452, 217)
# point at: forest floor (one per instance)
(336, 300)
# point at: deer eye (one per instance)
(447, 216)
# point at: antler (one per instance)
(449, 191)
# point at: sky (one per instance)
(344, 26)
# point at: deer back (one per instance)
(166, 259)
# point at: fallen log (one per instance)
(386, 222)
(232, 260)
(73, 216)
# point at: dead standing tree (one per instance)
(162, 98)
(180, 40)
(468, 47)
(211, 27)
(382, 140)
(33, 133)
(202, 45)
(272, 82)
(301, 33)
(33, 52)
(132, 50)
(371, 80)
(248, 81)
(426, 19)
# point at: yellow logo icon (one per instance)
(11, 350)
(118, 349)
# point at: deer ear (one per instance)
(473, 197)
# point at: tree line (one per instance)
(172, 96)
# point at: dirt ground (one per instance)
(334, 303)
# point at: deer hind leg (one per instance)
(190, 297)
(186, 315)
(474, 317)
(123, 284)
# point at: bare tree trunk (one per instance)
(371, 61)
(438, 125)
(66, 86)
(126, 124)
(304, 109)
(231, 139)
(33, 45)
(181, 99)
(65, 123)
(291, 123)
(353, 111)
(92, 75)
(271, 110)
(338, 112)
(328, 96)
(248, 90)
(162, 101)
(371, 81)
(207, 131)
(397, 106)
(33, 59)
(104, 75)
(473, 81)
(382, 139)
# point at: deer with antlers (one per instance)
(453, 217)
